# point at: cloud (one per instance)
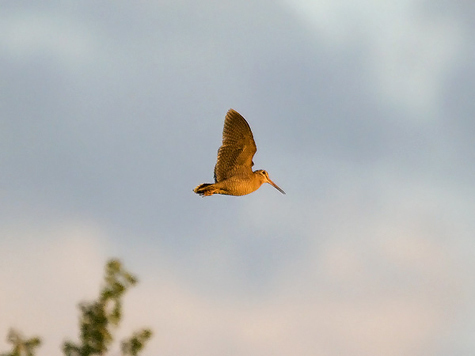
(339, 304)
(409, 49)
(370, 251)
(30, 35)
(393, 288)
(48, 271)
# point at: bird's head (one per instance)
(264, 177)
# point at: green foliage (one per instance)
(21, 346)
(136, 343)
(97, 322)
(99, 318)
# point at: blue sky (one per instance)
(362, 111)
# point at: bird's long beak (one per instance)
(275, 185)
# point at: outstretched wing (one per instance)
(238, 148)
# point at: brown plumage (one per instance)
(233, 173)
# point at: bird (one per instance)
(233, 173)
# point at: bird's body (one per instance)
(233, 173)
(235, 185)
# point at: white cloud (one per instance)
(409, 50)
(26, 35)
(389, 290)
(393, 290)
(355, 282)
(290, 322)
(45, 273)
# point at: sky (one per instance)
(362, 111)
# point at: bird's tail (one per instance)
(205, 189)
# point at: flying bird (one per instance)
(233, 173)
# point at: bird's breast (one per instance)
(239, 185)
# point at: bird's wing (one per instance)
(238, 148)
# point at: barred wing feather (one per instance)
(238, 148)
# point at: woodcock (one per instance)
(233, 173)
